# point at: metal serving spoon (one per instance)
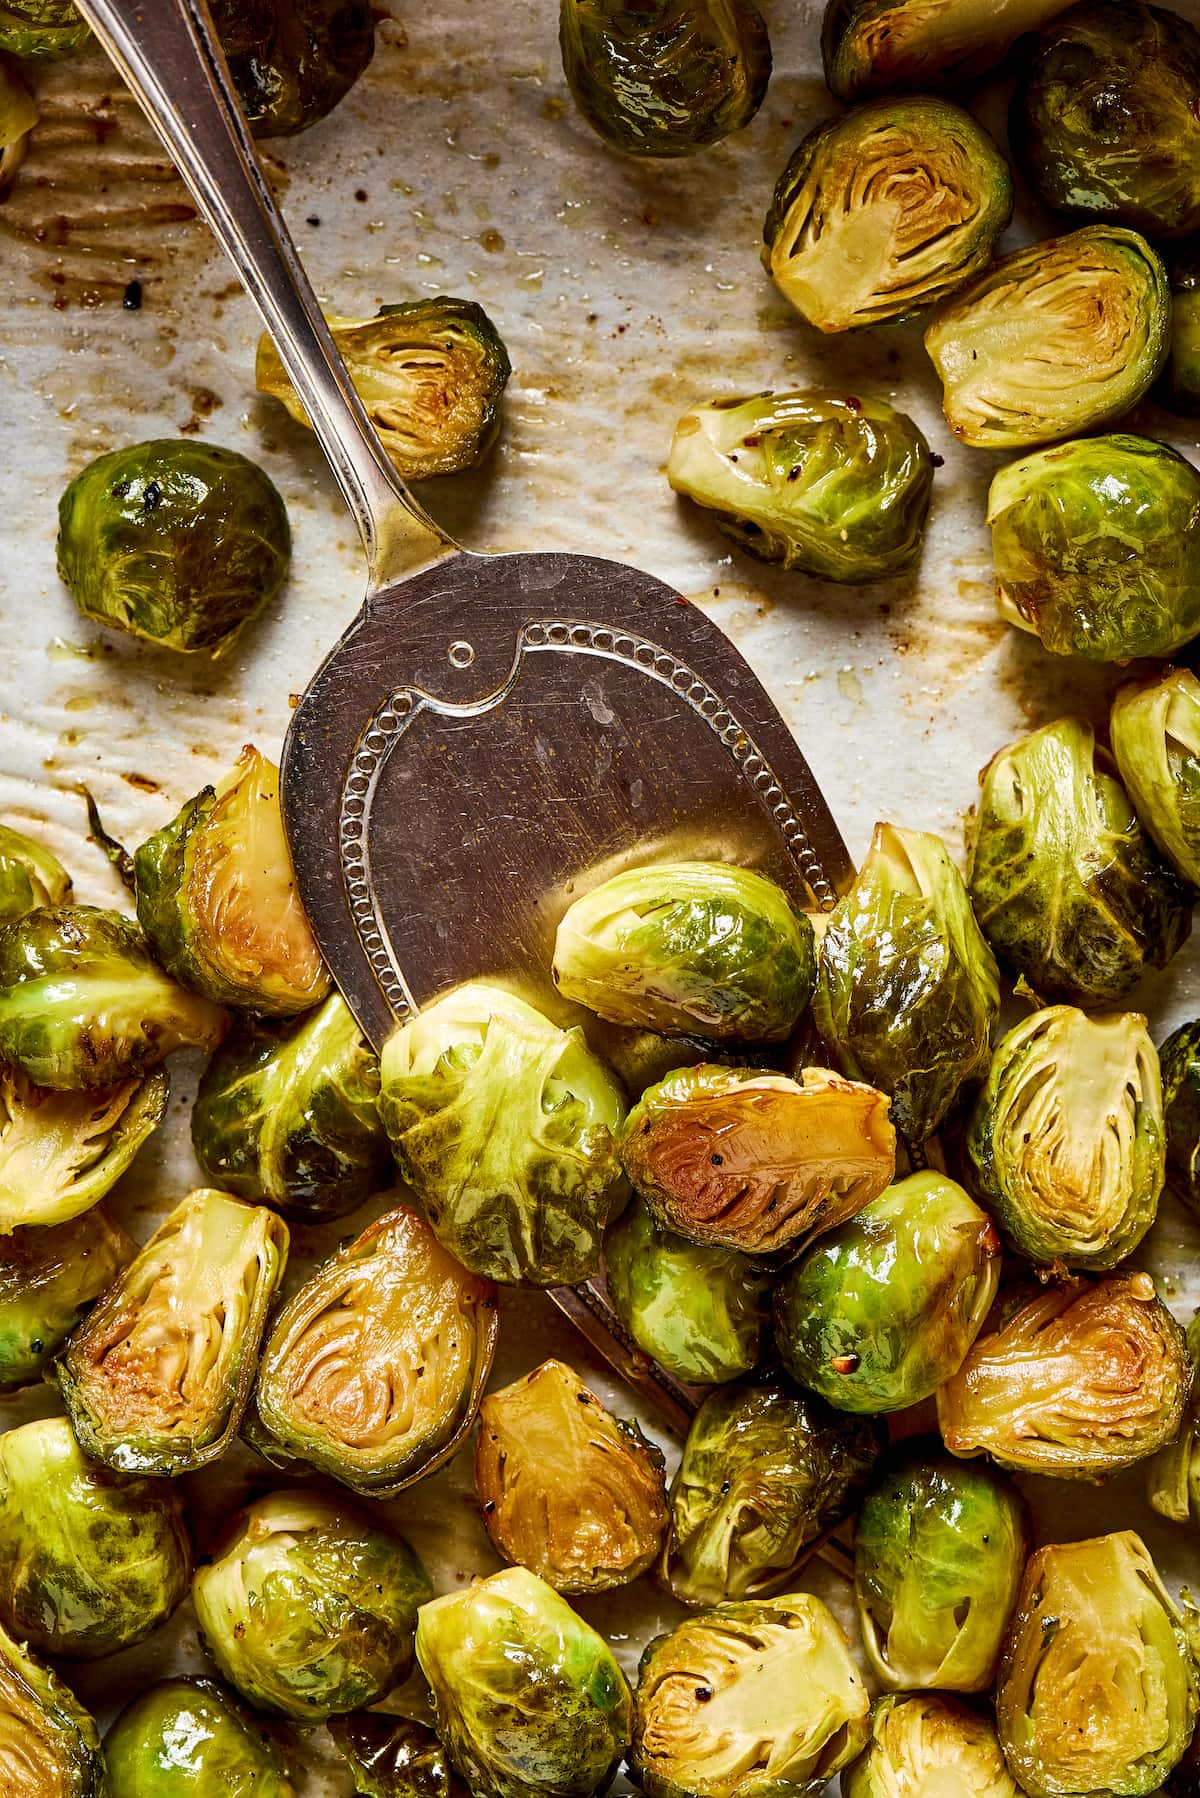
(492, 733)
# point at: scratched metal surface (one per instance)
(624, 291)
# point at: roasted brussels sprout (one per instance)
(83, 1005)
(766, 1471)
(1180, 390)
(49, 1745)
(311, 1606)
(504, 1125)
(1076, 1380)
(567, 1490)
(30, 877)
(393, 1757)
(1155, 731)
(926, 1744)
(1097, 1688)
(18, 115)
(1173, 1476)
(838, 488)
(374, 1369)
(182, 543)
(878, 1313)
(188, 1738)
(1095, 544)
(754, 1700)
(757, 1162)
(1053, 339)
(908, 992)
(1067, 1141)
(48, 1278)
(216, 895)
(1069, 890)
(879, 46)
(1107, 116)
(291, 1115)
(1179, 1059)
(43, 30)
(665, 77)
(60, 1152)
(529, 1698)
(90, 1561)
(939, 1550)
(157, 1377)
(292, 61)
(689, 947)
(885, 210)
(700, 1310)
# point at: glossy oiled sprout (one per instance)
(879, 46)
(292, 61)
(30, 876)
(192, 1736)
(1173, 1476)
(1180, 390)
(1179, 1059)
(60, 1152)
(393, 1757)
(1155, 731)
(49, 1745)
(49, 1276)
(929, 1745)
(42, 30)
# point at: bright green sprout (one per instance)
(60, 1152)
(188, 1738)
(42, 30)
(48, 1279)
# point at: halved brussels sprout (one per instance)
(91, 1561)
(880, 1312)
(529, 1698)
(291, 1115)
(292, 61)
(18, 115)
(49, 1745)
(48, 1278)
(700, 1310)
(665, 79)
(30, 877)
(757, 1162)
(748, 1701)
(1076, 1380)
(908, 992)
(1067, 1140)
(878, 46)
(885, 210)
(1053, 339)
(157, 1377)
(1173, 1476)
(43, 30)
(766, 1472)
(188, 1738)
(1095, 545)
(374, 1369)
(837, 487)
(179, 542)
(1179, 1060)
(1097, 1689)
(393, 1757)
(1069, 890)
(311, 1606)
(83, 1004)
(1106, 119)
(929, 1745)
(939, 1550)
(1155, 731)
(504, 1126)
(1180, 390)
(568, 1491)
(216, 895)
(60, 1152)
(689, 947)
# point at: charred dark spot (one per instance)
(718, 1161)
(131, 299)
(152, 498)
(703, 1694)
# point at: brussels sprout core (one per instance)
(30, 876)
(61, 1151)
(48, 1278)
(878, 46)
(1155, 729)
(929, 1747)
(43, 30)
(49, 1745)
(191, 1736)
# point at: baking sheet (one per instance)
(625, 291)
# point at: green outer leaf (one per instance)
(48, 1278)
(44, 1727)
(61, 1152)
(1155, 730)
(1173, 1474)
(29, 876)
(43, 30)
(874, 46)
(1179, 1059)
(191, 1736)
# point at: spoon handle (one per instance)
(169, 54)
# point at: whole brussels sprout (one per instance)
(179, 542)
(375, 1367)
(291, 1115)
(568, 1491)
(1092, 310)
(431, 374)
(1095, 544)
(878, 46)
(880, 1312)
(1180, 389)
(665, 77)
(1155, 731)
(156, 1378)
(90, 1561)
(393, 1757)
(754, 1700)
(292, 61)
(42, 30)
(1066, 885)
(49, 1745)
(83, 1005)
(311, 1607)
(884, 210)
(1179, 1059)
(48, 1278)
(689, 947)
(216, 895)
(908, 992)
(1067, 1142)
(529, 1698)
(1107, 116)
(939, 1550)
(1173, 1476)
(60, 1152)
(766, 1472)
(1076, 1380)
(504, 1125)
(187, 1738)
(927, 1744)
(836, 487)
(30, 877)
(1097, 1688)
(795, 1157)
